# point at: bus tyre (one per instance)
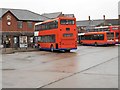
(96, 44)
(39, 47)
(67, 50)
(51, 48)
(81, 43)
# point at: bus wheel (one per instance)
(51, 48)
(81, 43)
(96, 44)
(67, 50)
(39, 47)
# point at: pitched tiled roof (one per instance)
(89, 22)
(22, 14)
(97, 22)
(52, 15)
(112, 21)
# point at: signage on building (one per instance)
(36, 33)
(8, 17)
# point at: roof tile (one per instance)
(22, 14)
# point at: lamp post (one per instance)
(4, 39)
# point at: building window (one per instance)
(30, 25)
(20, 25)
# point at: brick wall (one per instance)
(14, 24)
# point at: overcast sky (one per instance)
(80, 8)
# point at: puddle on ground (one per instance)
(8, 69)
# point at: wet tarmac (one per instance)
(87, 67)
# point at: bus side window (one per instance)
(39, 39)
(82, 37)
(95, 37)
(117, 35)
(86, 37)
(101, 37)
(89, 37)
(55, 24)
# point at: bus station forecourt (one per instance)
(80, 67)
(86, 67)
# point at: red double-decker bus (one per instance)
(97, 38)
(56, 34)
(115, 29)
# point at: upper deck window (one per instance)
(47, 26)
(67, 22)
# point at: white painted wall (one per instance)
(119, 8)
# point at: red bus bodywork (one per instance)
(116, 29)
(98, 38)
(64, 37)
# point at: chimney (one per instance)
(104, 17)
(89, 18)
(104, 20)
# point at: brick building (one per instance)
(17, 27)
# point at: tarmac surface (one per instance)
(87, 67)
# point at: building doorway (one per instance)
(23, 43)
